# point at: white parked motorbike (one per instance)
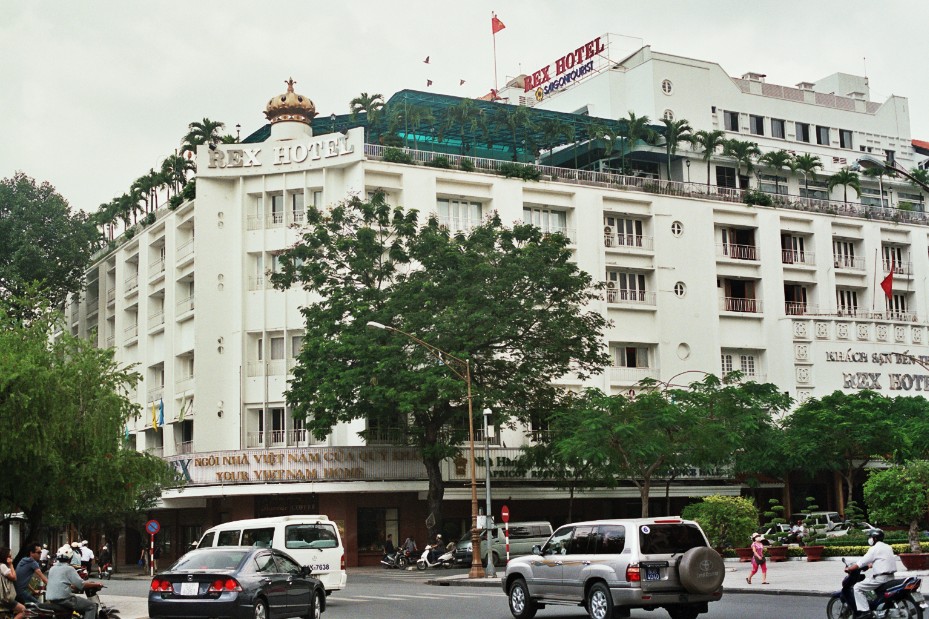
(446, 560)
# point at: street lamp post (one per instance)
(490, 571)
(477, 570)
(687, 163)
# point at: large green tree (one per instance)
(843, 433)
(900, 496)
(511, 302)
(43, 243)
(64, 405)
(664, 430)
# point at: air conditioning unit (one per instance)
(611, 285)
(608, 235)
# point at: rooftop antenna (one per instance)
(864, 59)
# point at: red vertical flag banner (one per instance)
(887, 284)
(496, 25)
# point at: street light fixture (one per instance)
(869, 162)
(462, 371)
(490, 570)
(687, 163)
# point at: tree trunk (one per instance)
(571, 504)
(644, 490)
(435, 494)
(913, 536)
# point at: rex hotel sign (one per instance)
(579, 58)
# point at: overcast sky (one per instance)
(93, 94)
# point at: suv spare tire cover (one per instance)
(701, 570)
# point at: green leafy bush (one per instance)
(466, 164)
(396, 155)
(190, 190)
(439, 161)
(148, 219)
(760, 198)
(175, 201)
(728, 521)
(517, 170)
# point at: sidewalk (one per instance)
(793, 577)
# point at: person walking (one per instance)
(758, 560)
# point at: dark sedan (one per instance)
(236, 583)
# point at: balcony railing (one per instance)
(459, 224)
(900, 268)
(255, 368)
(673, 188)
(156, 268)
(275, 220)
(158, 452)
(186, 447)
(184, 382)
(131, 332)
(737, 252)
(300, 437)
(185, 250)
(635, 297)
(630, 376)
(852, 263)
(154, 395)
(299, 217)
(740, 305)
(798, 308)
(132, 283)
(277, 367)
(185, 305)
(110, 341)
(792, 256)
(253, 222)
(111, 296)
(628, 241)
(156, 320)
(256, 282)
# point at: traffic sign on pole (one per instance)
(152, 527)
(505, 513)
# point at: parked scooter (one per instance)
(398, 559)
(446, 560)
(50, 610)
(898, 598)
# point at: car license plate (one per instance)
(652, 573)
(190, 588)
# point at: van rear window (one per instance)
(302, 536)
(661, 539)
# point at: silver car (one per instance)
(611, 566)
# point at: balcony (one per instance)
(256, 282)
(849, 263)
(740, 305)
(255, 368)
(794, 257)
(628, 241)
(299, 218)
(110, 341)
(184, 252)
(186, 447)
(130, 334)
(253, 222)
(900, 268)
(158, 452)
(737, 252)
(620, 296)
(631, 376)
(184, 307)
(254, 439)
(156, 320)
(277, 367)
(132, 284)
(154, 395)
(156, 269)
(459, 224)
(110, 296)
(299, 437)
(184, 383)
(275, 220)
(796, 308)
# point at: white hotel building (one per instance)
(698, 281)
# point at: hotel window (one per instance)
(668, 115)
(725, 177)
(891, 157)
(795, 299)
(871, 196)
(815, 189)
(277, 348)
(624, 286)
(770, 183)
(896, 306)
(803, 132)
(296, 345)
(844, 253)
(845, 138)
(277, 209)
(318, 198)
(822, 135)
(777, 128)
(459, 214)
(756, 124)
(726, 363)
(296, 207)
(846, 302)
(548, 220)
(622, 232)
(747, 365)
(731, 120)
(630, 356)
(792, 249)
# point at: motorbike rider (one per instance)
(62, 579)
(436, 550)
(883, 563)
(409, 545)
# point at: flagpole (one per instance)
(493, 16)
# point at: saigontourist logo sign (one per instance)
(568, 68)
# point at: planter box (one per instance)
(814, 553)
(915, 560)
(744, 554)
(777, 553)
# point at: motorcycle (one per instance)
(51, 610)
(898, 598)
(105, 571)
(398, 559)
(446, 560)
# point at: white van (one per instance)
(314, 541)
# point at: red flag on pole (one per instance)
(496, 25)
(887, 284)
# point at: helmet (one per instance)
(64, 553)
(875, 535)
(75, 544)
(83, 542)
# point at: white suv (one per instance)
(611, 566)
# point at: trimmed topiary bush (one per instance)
(466, 164)
(516, 170)
(396, 155)
(439, 161)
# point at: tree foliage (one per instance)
(728, 521)
(63, 410)
(900, 496)
(44, 245)
(511, 302)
